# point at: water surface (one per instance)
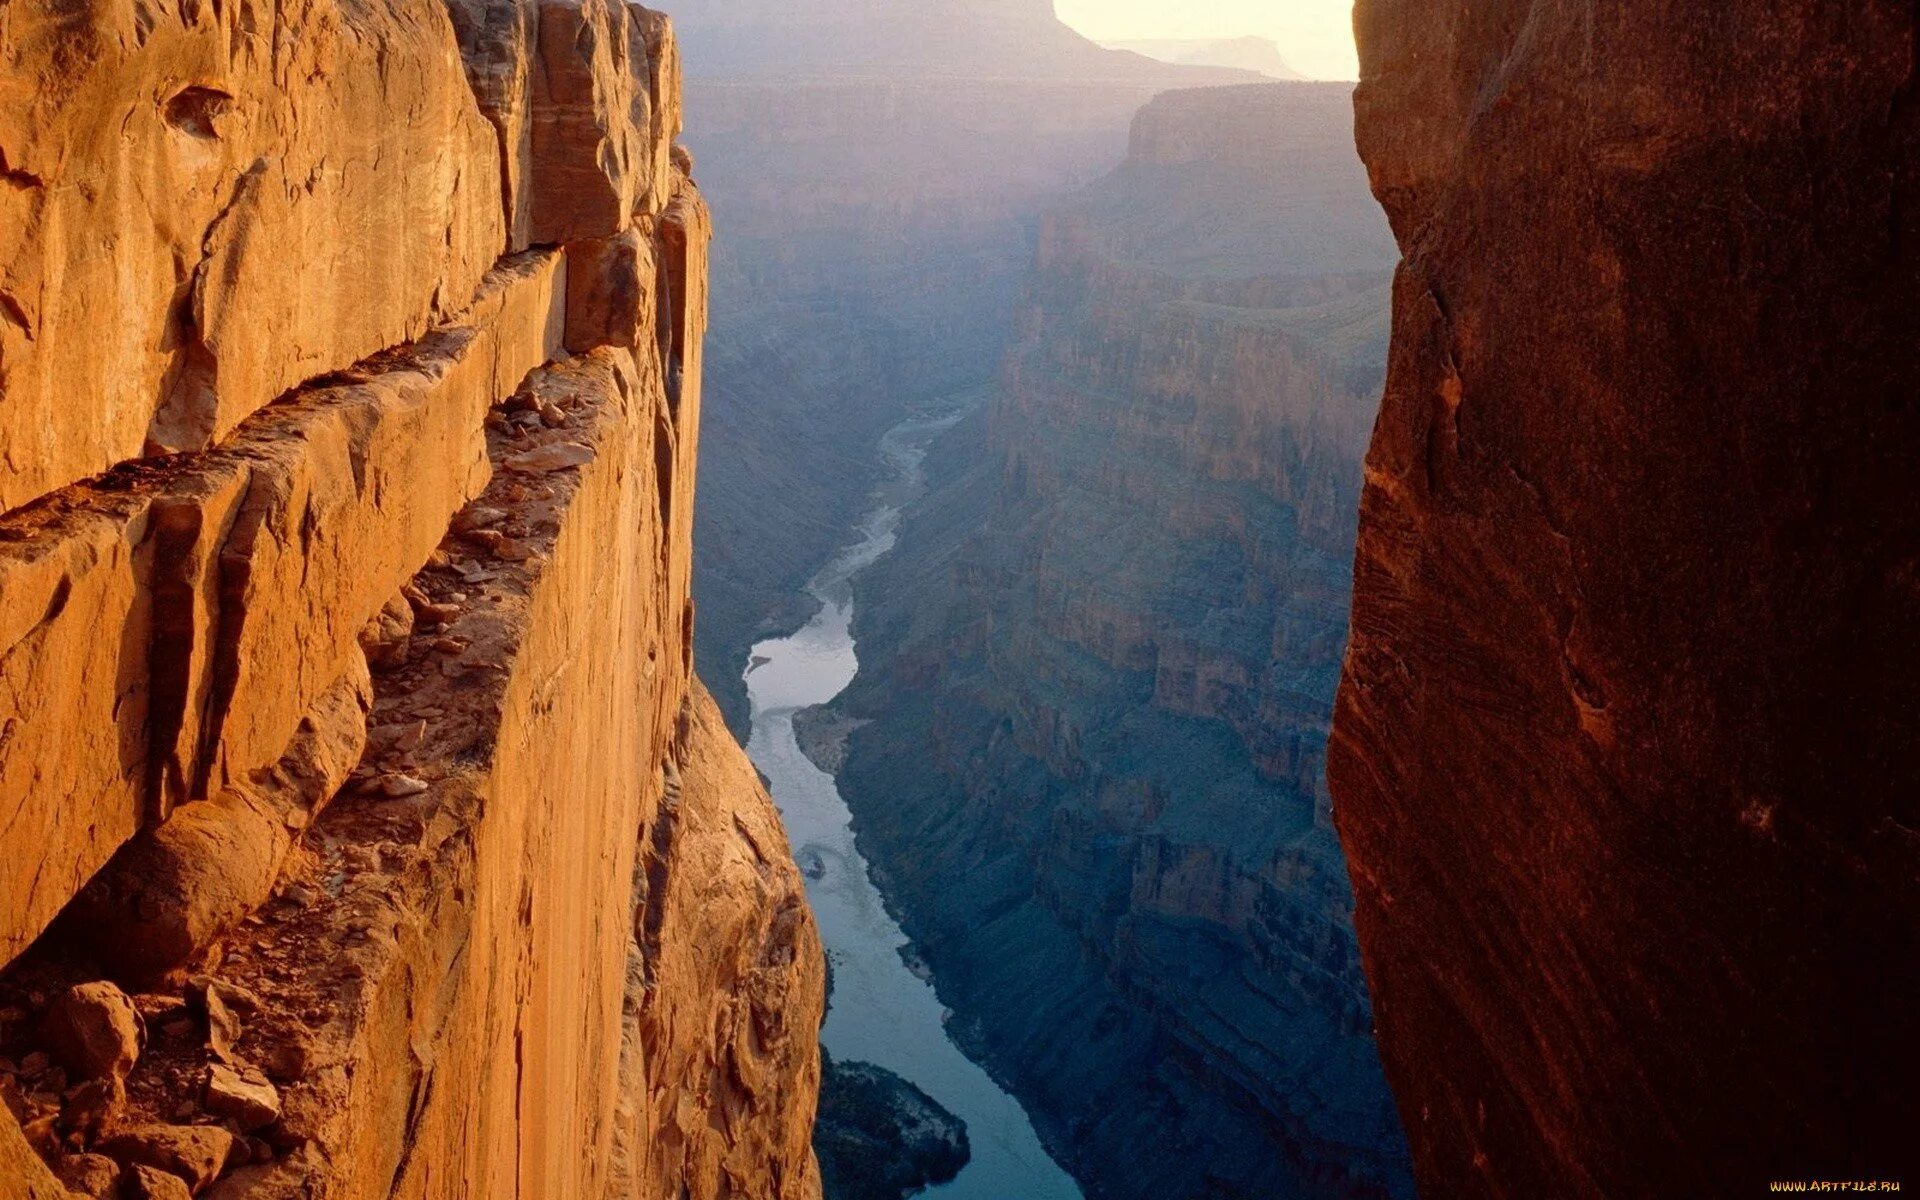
(882, 1012)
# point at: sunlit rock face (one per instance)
(1099, 668)
(366, 831)
(1624, 754)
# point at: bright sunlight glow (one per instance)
(1316, 36)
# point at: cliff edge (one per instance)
(365, 831)
(1625, 749)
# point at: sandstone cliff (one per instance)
(365, 832)
(1110, 637)
(1625, 753)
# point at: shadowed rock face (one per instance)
(1626, 745)
(1098, 668)
(880, 1137)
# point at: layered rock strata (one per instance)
(878, 232)
(358, 742)
(1110, 636)
(1625, 749)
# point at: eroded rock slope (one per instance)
(1625, 753)
(365, 832)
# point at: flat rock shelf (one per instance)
(881, 1011)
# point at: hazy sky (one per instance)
(1316, 36)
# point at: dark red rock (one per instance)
(1626, 751)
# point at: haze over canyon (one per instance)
(1239, 637)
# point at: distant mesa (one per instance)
(1240, 54)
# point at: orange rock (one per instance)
(591, 119)
(222, 595)
(441, 993)
(248, 1102)
(94, 1031)
(610, 291)
(146, 1183)
(22, 1168)
(494, 912)
(728, 948)
(92, 1175)
(194, 1153)
(272, 207)
(168, 893)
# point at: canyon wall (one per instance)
(1625, 752)
(1098, 670)
(366, 832)
(876, 234)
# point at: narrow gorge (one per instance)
(1239, 638)
(1199, 350)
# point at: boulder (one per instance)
(247, 1101)
(92, 1175)
(94, 1031)
(146, 1183)
(194, 1153)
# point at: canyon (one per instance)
(880, 234)
(877, 169)
(1626, 743)
(1084, 753)
(366, 828)
(1170, 769)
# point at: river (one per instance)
(882, 1012)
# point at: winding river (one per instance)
(882, 1012)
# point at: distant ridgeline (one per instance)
(905, 39)
(1244, 53)
(877, 170)
(1100, 668)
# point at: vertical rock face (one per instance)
(1097, 670)
(1625, 750)
(198, 218)
(360, 741)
